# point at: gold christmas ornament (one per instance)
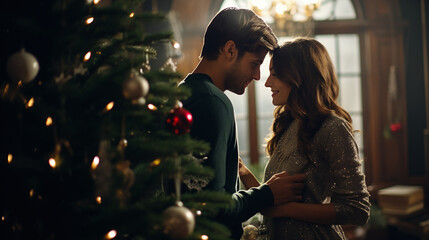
(179, 222)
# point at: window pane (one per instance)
(243, 135)
(350, 97)
(329, 42)
(344, 10)
(350, 55)
(335, 10)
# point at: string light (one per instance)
(48, 121)
(2, 218)
(131, 15)
(176, 45)
(6, 89)
(198, 212)
(30, 103)
(152, 107)
(111, 234)
(89, 20)
(9, 158)
(19, 83)
(52, 162)
(87, 56)
(155, 162)
(95, 162)
(204, 237)
(98, 199)
(109, 106)
(31, 192)
(96, 2)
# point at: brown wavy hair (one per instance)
(305, 65)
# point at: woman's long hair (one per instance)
(305, 65)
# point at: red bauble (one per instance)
(179, 121)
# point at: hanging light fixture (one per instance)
(288, 17)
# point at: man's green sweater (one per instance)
(214, 122)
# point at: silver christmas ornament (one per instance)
(179, 221)
(136, 86)
(22, 66)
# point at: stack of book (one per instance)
(401, 199)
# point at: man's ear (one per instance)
(230, 50)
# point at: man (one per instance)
(236, 42)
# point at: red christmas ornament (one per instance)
(394, 127)
(179, 121)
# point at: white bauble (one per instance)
(22, 66)
(136, 86)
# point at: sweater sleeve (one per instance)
(247, 203)
(350, 196)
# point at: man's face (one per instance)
(243, 71)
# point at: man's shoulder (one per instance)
(203, 91)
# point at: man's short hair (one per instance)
(248, 31)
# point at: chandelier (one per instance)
(288, 17)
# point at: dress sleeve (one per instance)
(212, 125)
(350, 195)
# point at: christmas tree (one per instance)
(90, 135)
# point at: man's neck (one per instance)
(214, 69)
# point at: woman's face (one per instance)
(280, 89)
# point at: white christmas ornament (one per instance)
(179, 221)
(136, 86)
(22, 66)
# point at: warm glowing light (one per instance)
(96, 1)
(131, 15)
(6, 88)
(19, 83)
(155, 162)
(204, 237)
(109, 106)
(176, 45)
(49, 121)
(198, 212)
(111, 234)
(98, 199)
(2, 218)
(95, 162)
(9, 158)
(52, 162)
(152, 107)
(87, 56)
(89, 20)
(31, 192)
(30, 103)
(204, 203)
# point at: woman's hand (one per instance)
(246, 176)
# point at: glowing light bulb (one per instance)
(9, 158)
(155, 162)
(131, 15)
(89, 20)
(109, 106)
(49, 121)
(31, 192)
(204, 237)
(96, 2)
(6, 89)
(52, 162)
(98, 199)
(111, 234)
(30, 103)
(152, 107)
(176, 45)
(198, 212)
(95, 162)
(87, 56)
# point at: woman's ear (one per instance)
(230, 50)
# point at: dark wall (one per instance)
(415, 89)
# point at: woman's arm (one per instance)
(246, 176)
(314, 213)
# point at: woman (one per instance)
(311, 134)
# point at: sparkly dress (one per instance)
(334, 175)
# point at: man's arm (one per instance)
(280, 188)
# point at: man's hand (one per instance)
(286, 188)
